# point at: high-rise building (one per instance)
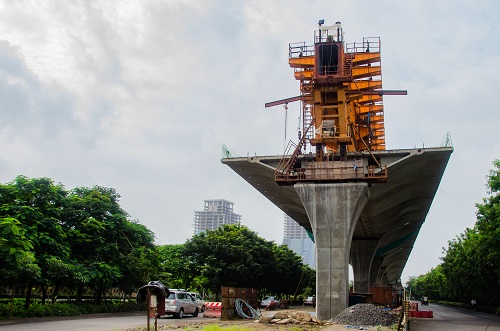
(297, 239)
(215, 213)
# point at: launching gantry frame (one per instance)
(342, 111)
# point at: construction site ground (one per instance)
(248, 324)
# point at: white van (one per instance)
(180, 303)
(199, 300)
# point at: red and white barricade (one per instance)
(213, 309)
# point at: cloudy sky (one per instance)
(140, 96)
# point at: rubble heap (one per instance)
(365, 314)
(297, 317)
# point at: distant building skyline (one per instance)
(215, 213)
(297, 240)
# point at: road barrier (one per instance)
(213, 309)
(421, 313)
(427, 314)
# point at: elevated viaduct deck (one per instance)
(387, 227)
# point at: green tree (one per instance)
(16, 252)
(140, 260)
(488, 227)
(79, 239)
(58, 273)
(178, 269)
(109, 249)
(471, 262)
(289, 275)
(233, 255)
(38, 205)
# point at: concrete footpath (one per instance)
(446, 318)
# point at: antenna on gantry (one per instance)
(286, 121)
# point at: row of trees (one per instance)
(471, 262)
(235, 256)
(82, 241)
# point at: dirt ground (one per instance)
(255, 325)
(252, 325)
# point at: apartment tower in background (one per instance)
(297, 239)
(215, 213)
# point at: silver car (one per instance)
(199, 300)
(181, 303)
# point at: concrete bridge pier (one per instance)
(374, 271)
(333, 211)
(362, 253)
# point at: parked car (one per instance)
(266, 301)
(309, 301)
(180, 303)
(199, 300)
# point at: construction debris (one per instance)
(364, 314)
(296, 317)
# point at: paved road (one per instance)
(454, 319)
(98, 322)
(444, 319)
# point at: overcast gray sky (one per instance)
(141, 95)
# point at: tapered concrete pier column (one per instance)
(362, 252)
(333, 210)
(374, 270)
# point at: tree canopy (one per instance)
(83, 241)
(471, 262)
(233, 255)
(80, 238)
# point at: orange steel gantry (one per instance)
(342, 110)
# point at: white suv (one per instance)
(199, 300)
(181, 303)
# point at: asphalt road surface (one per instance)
(98, 322)
(446, 318)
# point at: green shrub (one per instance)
(36, 311)
(17, 308)
(61, 309)
(128, 307)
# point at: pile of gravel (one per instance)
(365, 314)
